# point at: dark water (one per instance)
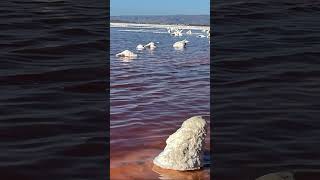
(266, 72)
(151, 96)
(53, 90)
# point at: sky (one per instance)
(159, 7)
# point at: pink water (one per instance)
(150, 98)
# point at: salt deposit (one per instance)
(180, 44)
(126, 53)
(184, 149)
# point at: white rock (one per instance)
(150, 45)
(180, 44)
(278, 176)
(126, 53)
(184, 149)
(140, 47)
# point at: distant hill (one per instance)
(170, 19)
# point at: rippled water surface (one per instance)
(53, 90)
(266, 86)
(150, 98)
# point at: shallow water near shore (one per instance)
(150, 98)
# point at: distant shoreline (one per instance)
(132, 22)
(194, 20)
(161, 26)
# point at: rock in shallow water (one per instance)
(126, 53)
(184, 149)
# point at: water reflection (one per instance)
(127, 59)
(277, 176)
(166, 174)
(297, 174)
(151, 51)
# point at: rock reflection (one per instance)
(151, 51)
(178, 48)
(166, 174)
(127, 59)
(277, 176)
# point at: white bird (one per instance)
(140, 47)
(126, 53)
(180, 44)
(189, 32)
(150, 45)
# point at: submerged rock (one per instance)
(184, 149)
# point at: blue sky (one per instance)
(159, 7)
